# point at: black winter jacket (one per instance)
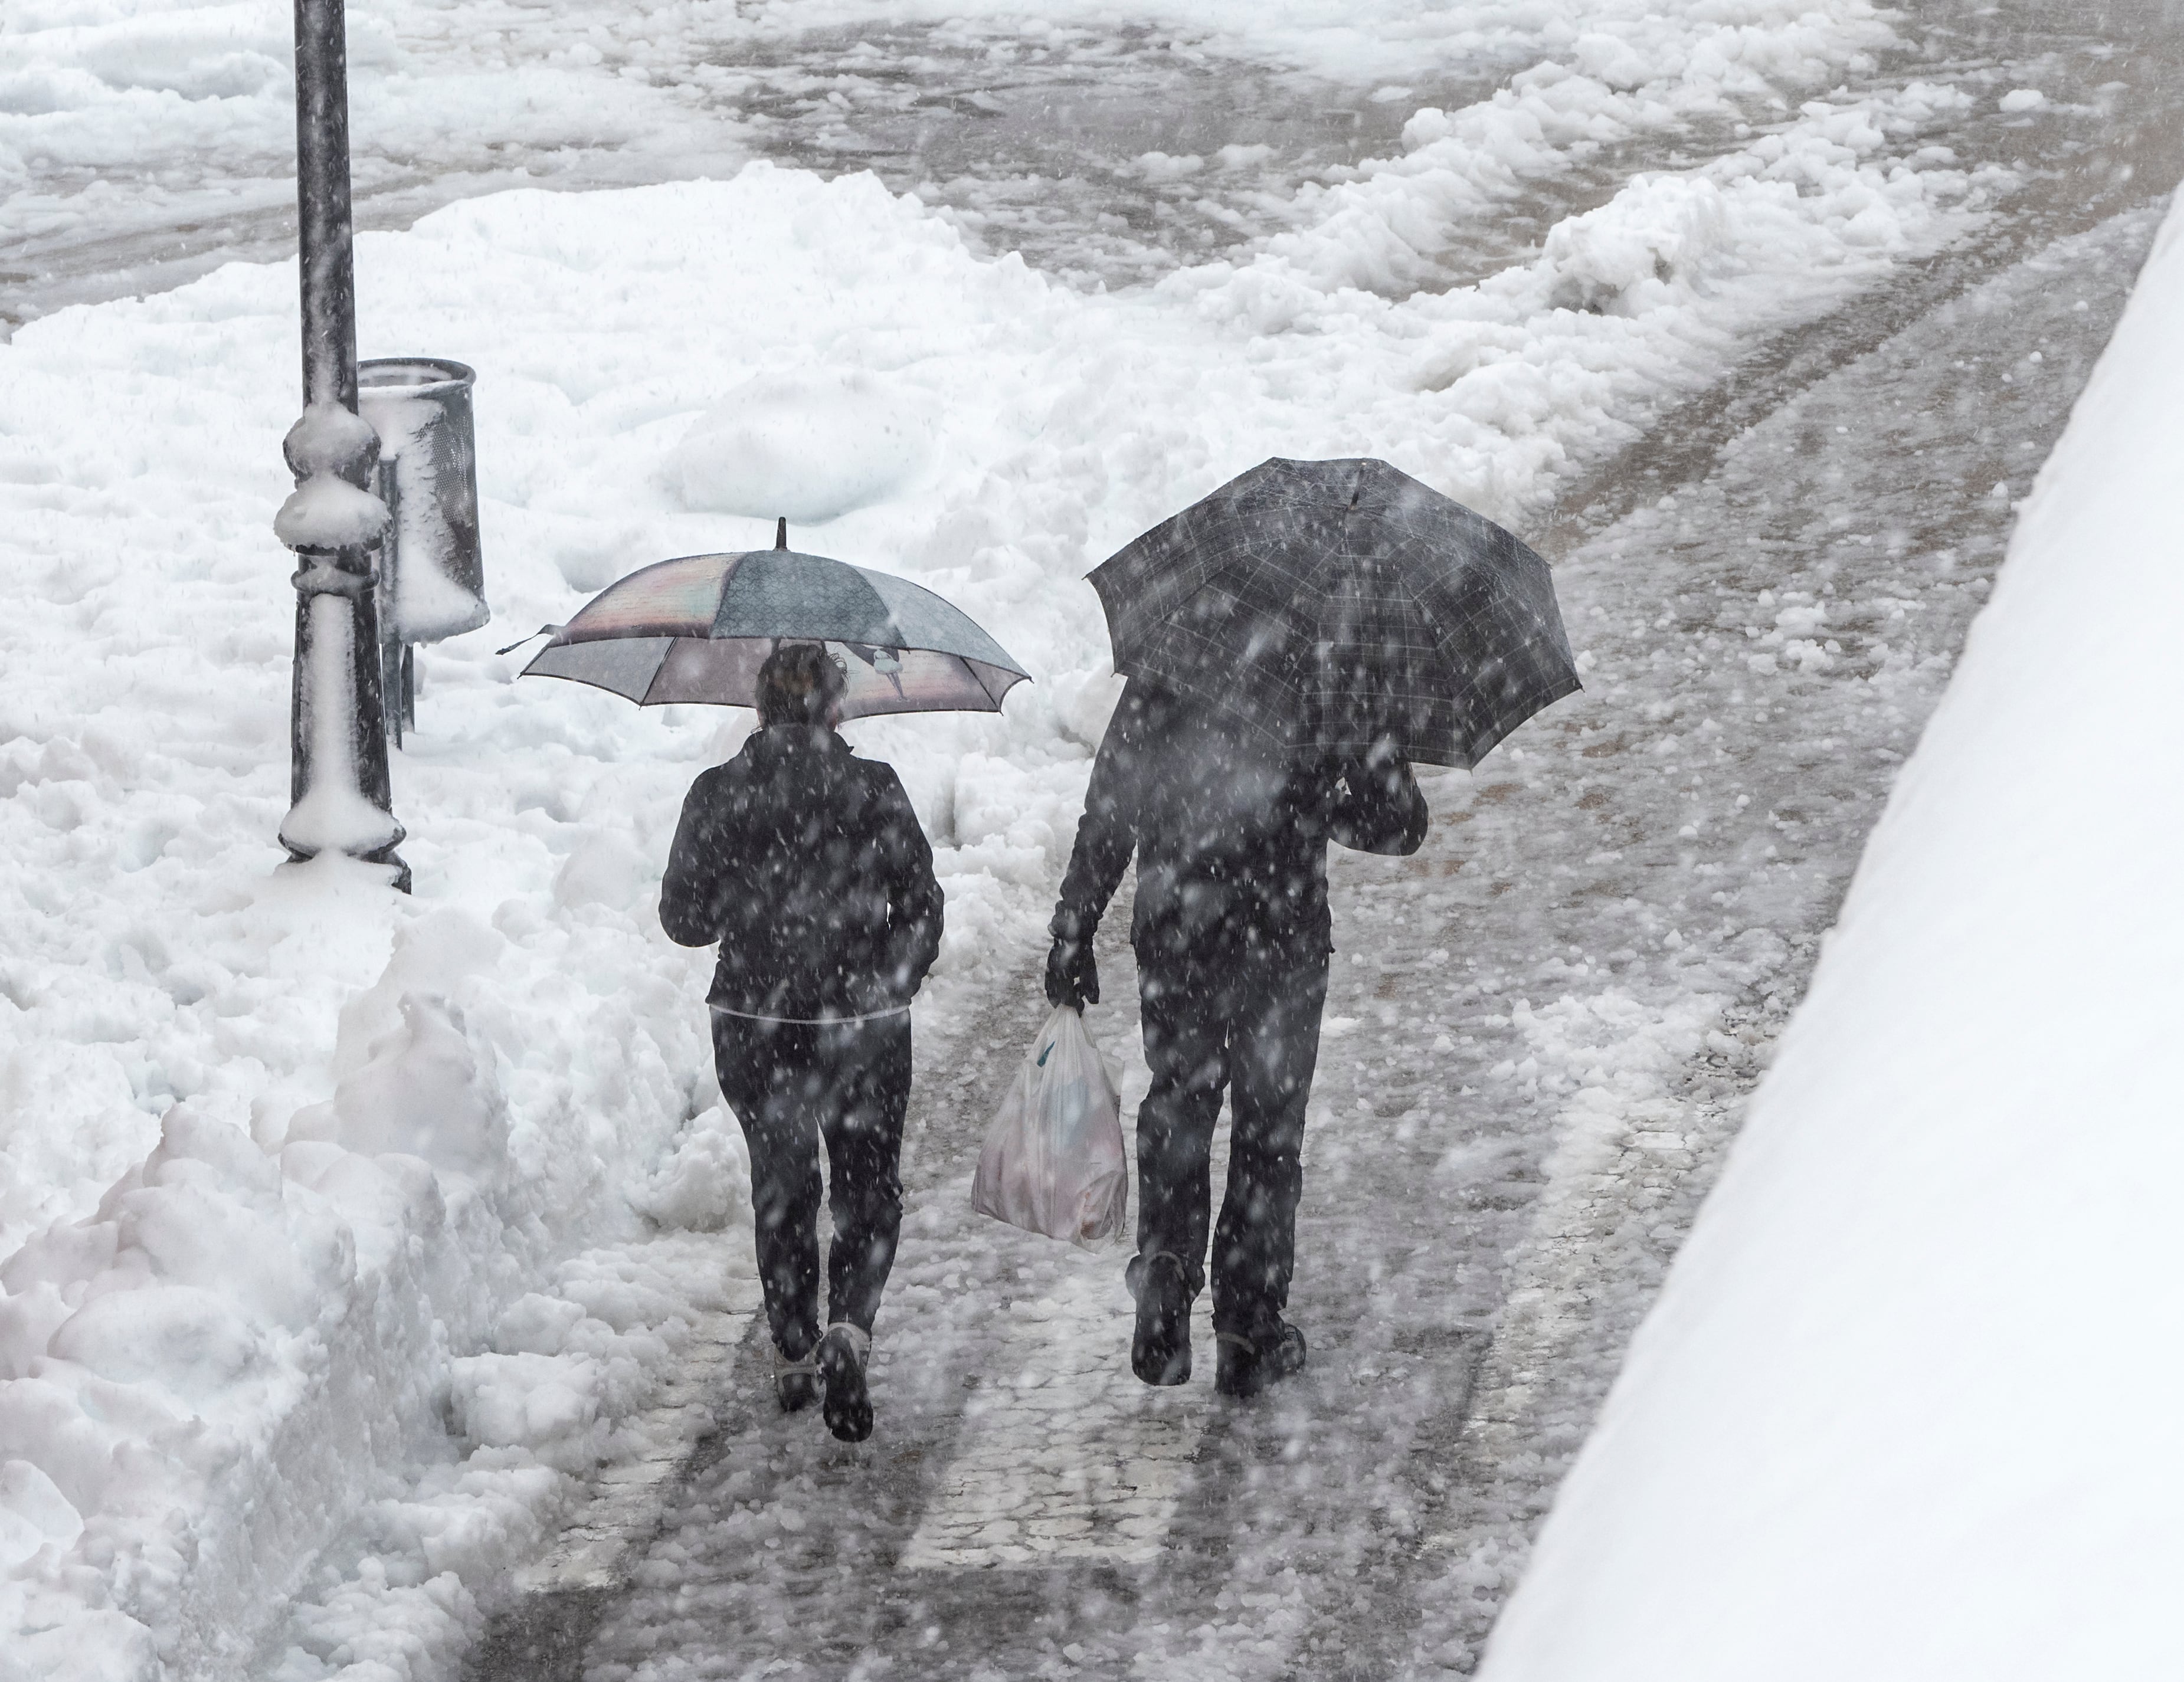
(1231, 834)
(808, 865)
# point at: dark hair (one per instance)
(798, 684)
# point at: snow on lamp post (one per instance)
(340, 798)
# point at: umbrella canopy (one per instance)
(1332, 604)
(698, 629)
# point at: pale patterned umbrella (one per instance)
(698, 628)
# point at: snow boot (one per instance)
(842, 1354)
(796, 1383)
(1160, 1349)
(1247, 1366)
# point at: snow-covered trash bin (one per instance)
(432, 569)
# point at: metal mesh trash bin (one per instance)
(431, 572)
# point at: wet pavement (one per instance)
(1541, 1032)
(1541, 1029)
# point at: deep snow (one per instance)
(1901, 1408)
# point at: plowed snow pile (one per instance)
(1905, 1407)
(314, 1195)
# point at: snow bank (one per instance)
(1902, 1409)
(1387, 225)
(297, 1171)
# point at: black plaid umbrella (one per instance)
(1333, 604)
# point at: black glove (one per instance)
(1072, 978)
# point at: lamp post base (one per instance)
(399, 877)
(339, 789)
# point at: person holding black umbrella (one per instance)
(1292, 643)
(1232, 934)
(807, 865)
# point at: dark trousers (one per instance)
(791, 1085)
(1253, 1028)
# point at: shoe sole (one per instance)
(1161, 1355)
(1238, 1377)
(1159, 1343)
(1169, 1369)
(1243, 1376)
(848, 1409)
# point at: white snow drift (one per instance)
(1905, 1409)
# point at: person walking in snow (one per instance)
(1232, 934)
(807, 865)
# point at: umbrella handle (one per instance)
(542, 631)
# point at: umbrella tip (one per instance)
(781, 533)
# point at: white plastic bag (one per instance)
(1053, 1160)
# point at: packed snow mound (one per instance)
(806, 445)
(422, 1095)
(706, 1184)
(1621, 259)
(1903, 1410)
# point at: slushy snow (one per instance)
(121, 117)
(1903, 1409)
(332, 1220)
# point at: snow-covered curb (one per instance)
(1903, 1410)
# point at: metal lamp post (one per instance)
(340, 798)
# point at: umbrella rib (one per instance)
(658, 671)
(907, 647)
